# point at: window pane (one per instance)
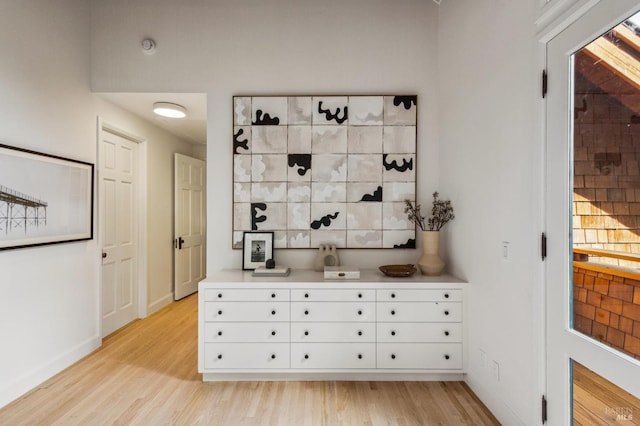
(596, 401)
(606, 189)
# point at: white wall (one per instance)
(49, 304)
(226, 48)
(484, 86)
(160, 147)
(49, 309)
(489, 92)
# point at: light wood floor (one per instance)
(146, 373)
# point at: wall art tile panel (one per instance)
(325, 169)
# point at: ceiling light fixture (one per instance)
(168, 109)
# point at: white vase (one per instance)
(430, 262)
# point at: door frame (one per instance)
(599, 354)
(107, 127)
(555, 16)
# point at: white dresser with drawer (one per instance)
(302, 327)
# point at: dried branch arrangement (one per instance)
(441, 213)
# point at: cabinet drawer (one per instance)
(419, 311)
(245, 294)
(333, 312)
(332, 332)
(246, 332)
(333, 355)
(246, 311)
(246, 355)
(419, 332)
(431, 356)
(333, 295)
(409, 295)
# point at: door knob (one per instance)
(104, 255)
(180, 243)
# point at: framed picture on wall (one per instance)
(44, 199)
(257, 248)
(325, 169)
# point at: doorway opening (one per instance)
(164, 138)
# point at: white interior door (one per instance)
(564, 343)
(190, 225)
(118, 160)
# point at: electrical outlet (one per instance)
(496, 370)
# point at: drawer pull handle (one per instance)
(393, 332)
(360, 312)
(446, 312)
(306, 312)
(219, 356)
(359, 295)
(219, 295)
(393, 356)
(219, 333)
(306, 333)
(447, 357)
(393, 312)
(273, 295)
(306, 295)
(273, 356)
(393, 295)
(446, 295)
(220, 312)
(359, 356)
(273, 333)
(359, 332)
(306, 356)
(273, 312)
(446, 333)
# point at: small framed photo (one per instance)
(257, 248)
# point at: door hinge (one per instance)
(543, 246)
(544, 409)
(544, 83)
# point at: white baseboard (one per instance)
(160, 303)
(34, 378)
(346, 375)
(494, 403)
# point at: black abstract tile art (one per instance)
(325, 169)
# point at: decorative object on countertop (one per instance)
(398, 271)
(327, 256)
(257, 247)
(430, 263)
(276, 271)
(270, 264)
(341, 273)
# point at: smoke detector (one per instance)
(148, 46)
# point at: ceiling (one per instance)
(192, 128)
(612, 63)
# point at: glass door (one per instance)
(593, 218)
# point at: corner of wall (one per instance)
(494, 402)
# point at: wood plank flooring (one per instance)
(597, 401)
(146, 374)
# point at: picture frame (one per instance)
(257, 248)
(44, 199)
(325, 169)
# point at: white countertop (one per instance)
(306, 276)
